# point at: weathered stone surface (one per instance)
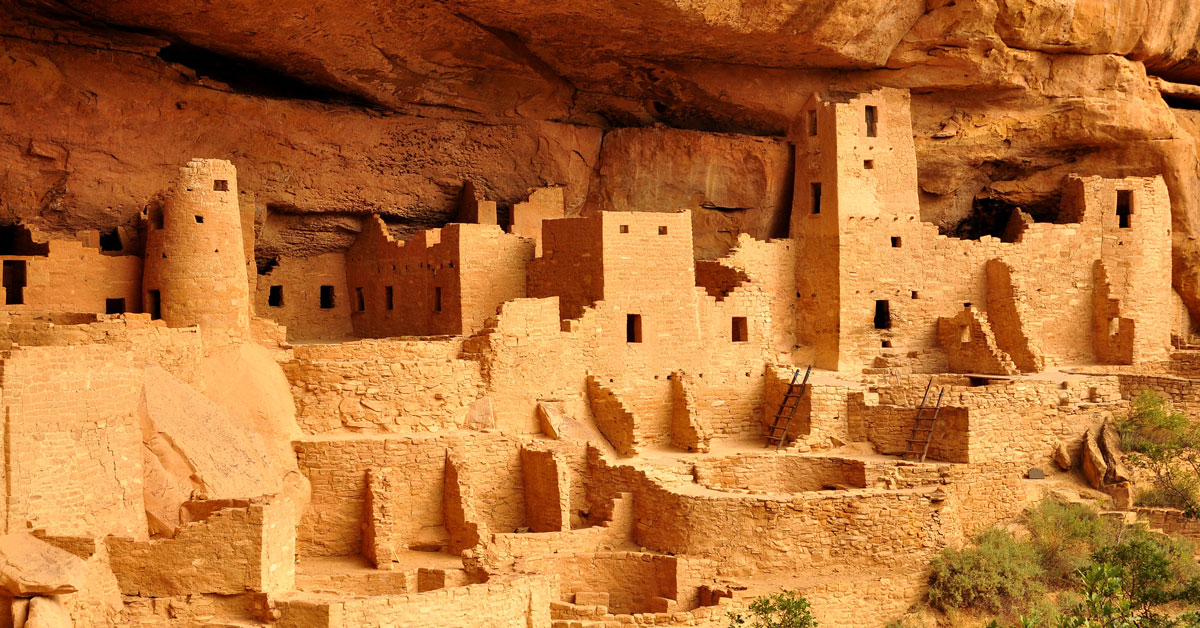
(30, 566)
(47, 612)
(194, 447)
(1062, 458)
(1110, 444)
(551, 418)
(1094, 467)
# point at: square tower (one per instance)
(855, 161)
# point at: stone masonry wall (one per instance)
(234, 546)
(392, 385)
(73, 454)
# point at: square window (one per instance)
(220, 185)
(633, 328)
(868, 164)
(199, 219)
(662, 230)
(624, 228)
(741, 329)
(327, 297)
(896, 242)
(915, 295)
(275, 296)
(114, 306)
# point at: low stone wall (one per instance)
(235, 546)
(780, 473)
(502, 602)
(1170, 520)
(776, 534)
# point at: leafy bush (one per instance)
(996, 573)
(781, 610)
(1065, 535)
(1167, 445)
(1155, 569)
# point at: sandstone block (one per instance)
(30, 566)
(1062, 458)
(591, 598)
(47, 612)
(551, 419)
(1094, 467)
(1110, 446)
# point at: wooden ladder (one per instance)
(787, 409)
(923, 425)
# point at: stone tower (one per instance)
(855, 165)
(195, 271)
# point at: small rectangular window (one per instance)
(741, 329)
(114, 306)
(388, 301)
(816, 198)
(437, 299)
(154, 304)
(275, 296)
(361, 302)
(220, 185)
(812, 122)
(326, 297)
(156, 218)
(1124, 207)
(964, 336)
(868, 164)
(872, 121)
(624, 228)
(199, 219)
(633, 328)
(896, 242)
(915, 294)
(662, 230)
(883, 314)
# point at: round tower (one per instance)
(195, 271)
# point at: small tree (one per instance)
(1167, 445)
(1104, 605)
(781, 610)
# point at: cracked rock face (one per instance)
(335, 109)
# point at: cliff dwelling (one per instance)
(463, 333)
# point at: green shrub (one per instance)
(1154, 569)
(995, 574)
(1167, 445)
(1065, 535)
(781, 610)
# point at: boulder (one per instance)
(19, 611)
(1094, 466)
(1061, 457)
(1110, 447)
(48, 612)
(551, 419)
(30, 566)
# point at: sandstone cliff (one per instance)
(334, 109)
